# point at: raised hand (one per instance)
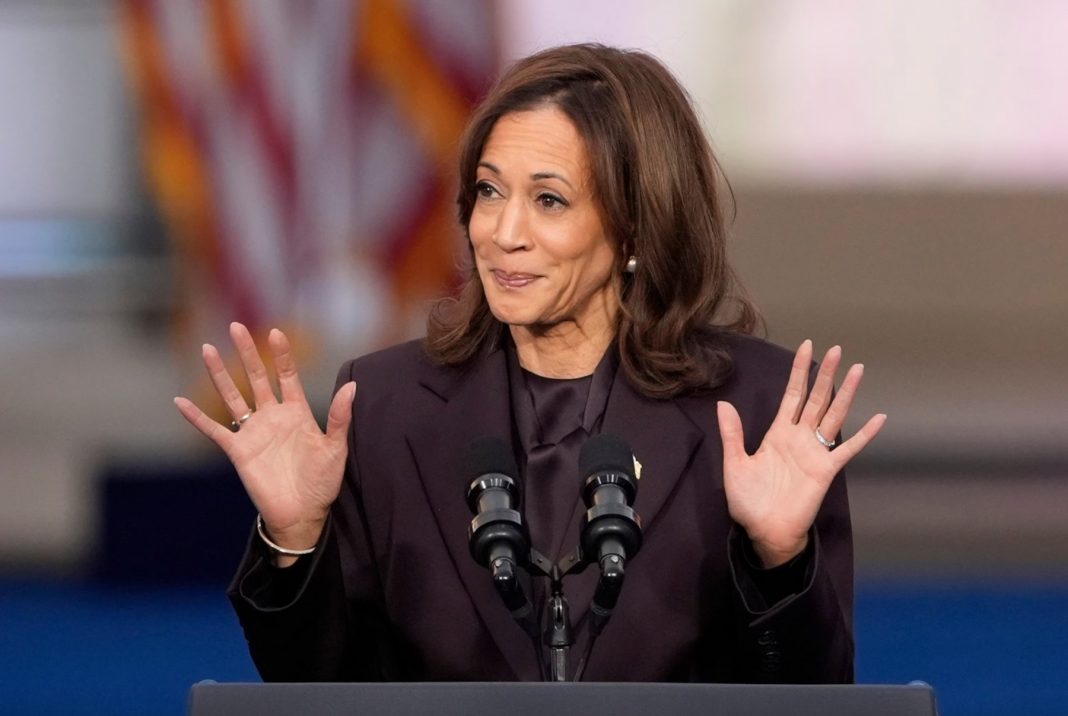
(775, 493)
(291, 470)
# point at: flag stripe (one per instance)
(290, 144)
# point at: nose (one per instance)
(512, 231)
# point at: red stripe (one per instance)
(402, 234)
(469, 84)
(274, 139)
(228, 281)
(231, 283)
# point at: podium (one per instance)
(563, 699)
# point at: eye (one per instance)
(484, 190)
(550, 201)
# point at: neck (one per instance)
(563, 350)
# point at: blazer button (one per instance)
(770, 652)
(767, 638)
(771, 662)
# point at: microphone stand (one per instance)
(559, 635)
(611, 532)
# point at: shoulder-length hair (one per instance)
(657, 184)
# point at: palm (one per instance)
(290, 468)
(287, 464)
(776, 493)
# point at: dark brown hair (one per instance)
(657, 185)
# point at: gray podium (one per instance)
(565, 699)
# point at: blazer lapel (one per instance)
(663, 437)
(475, 403)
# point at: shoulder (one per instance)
(755, 359)
(388, 386)
(399, 360)
(758, 377)
(396, 369)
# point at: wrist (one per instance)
(293, 541)
(777, 553)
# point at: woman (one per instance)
(599, 301)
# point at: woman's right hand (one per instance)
(291, 470)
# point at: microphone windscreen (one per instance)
(487, 455)
(606, 453)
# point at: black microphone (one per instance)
(611, 529)
(498, 539)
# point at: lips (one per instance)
(506, 279)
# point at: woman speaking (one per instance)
(598, 301)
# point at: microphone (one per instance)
(611, 529)
(497, 537)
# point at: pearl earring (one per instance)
(631, 265)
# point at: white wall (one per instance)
(890, 92)
(65, 142)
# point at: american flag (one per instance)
(302, 154)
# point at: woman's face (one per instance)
(540, 246)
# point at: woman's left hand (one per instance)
(774, 494)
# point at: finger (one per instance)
(794, 396)
(730, 432)
(253, 364)
(286, 367)
(224, 384)
(820, 396)
(852, 447)
(834, 418)
(208, 427)
(339, 417)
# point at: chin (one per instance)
(512, 315)
(509, 308)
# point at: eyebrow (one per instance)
(538, 176)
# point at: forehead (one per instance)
(537, 140)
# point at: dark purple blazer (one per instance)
(393, 593)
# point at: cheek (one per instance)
(480, 231)
(597, 262)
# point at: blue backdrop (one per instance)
(84, 648)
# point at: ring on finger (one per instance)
(824, 441)
(236, 424)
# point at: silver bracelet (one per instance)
(280, 550)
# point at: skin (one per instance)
(291, 469)
(775, 493)
(549, 271)
(541, 250)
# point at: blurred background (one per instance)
(900, 170)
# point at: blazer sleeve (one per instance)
(803, 633)
(302, 623)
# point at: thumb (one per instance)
(340, 415)
(730, 432)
